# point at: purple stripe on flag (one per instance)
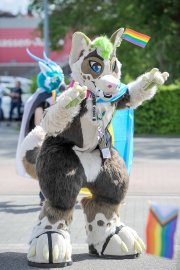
(134, 42)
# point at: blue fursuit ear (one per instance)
(51, 63)
(51, 76)
(45, 68)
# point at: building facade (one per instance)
(17, 34)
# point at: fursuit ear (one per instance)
(79, 42)
(116, 38)
(44, 68)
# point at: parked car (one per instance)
(7, 83)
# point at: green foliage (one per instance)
(104, 45)
(161, 114)
(34, 84)
(158, 19)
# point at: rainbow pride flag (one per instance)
(160, 230)
(135, 37)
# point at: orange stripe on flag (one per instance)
(137, 34)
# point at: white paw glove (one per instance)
(154, 77)
(74, 96)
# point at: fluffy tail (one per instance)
(30, 148)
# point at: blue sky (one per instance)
(14, 6)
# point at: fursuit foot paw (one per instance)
(109, 240)
(154, 77)
(123, 244)
(50, 245)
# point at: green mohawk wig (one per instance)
(104, 46)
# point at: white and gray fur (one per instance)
(74, 132)
(64, 155)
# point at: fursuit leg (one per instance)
(60, 175)
(107, 235)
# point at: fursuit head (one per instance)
(66, 152)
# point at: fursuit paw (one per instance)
(154, 77)
(111, 239)
(133, 243)
(125, 243)
(50, 246)
(74, 96)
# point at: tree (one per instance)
(159, 19)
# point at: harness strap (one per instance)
(49, 232)
(118, 229)
(49, 235)
(50, 247)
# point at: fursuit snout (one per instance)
(109, 84)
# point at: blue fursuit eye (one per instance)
(96, 67)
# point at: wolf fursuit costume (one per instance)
(72, 149)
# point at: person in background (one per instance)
(16, 100)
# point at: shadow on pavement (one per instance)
(7, 207)
(82, 257)
(18, 261)
(14, 261)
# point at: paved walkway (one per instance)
(154, 177)
(156, 166)
(19, 213)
